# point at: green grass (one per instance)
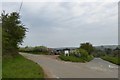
(75, 59)
(20, 67)
(114, 60)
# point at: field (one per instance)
(20, 67)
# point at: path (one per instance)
(54, 68)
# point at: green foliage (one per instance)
(20, 67)
(35, 50)
(116, 52)
(88, 47)
(13, 32)
(83, 53)
(40, 49)
(85, 57)
(115, 60)
(98, 53)
(71, 58)
(108, 51)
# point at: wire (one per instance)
(20, 7)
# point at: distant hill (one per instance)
(65, 48)
(107, 46)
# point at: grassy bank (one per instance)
(115, 60)
(75, 59)
(20, 67)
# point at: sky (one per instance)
(67, 24)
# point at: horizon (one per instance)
(71, 46)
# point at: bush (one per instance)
(35, 50)
(98, 53)
(84, 53)
(71, 58)
(85, 57)
(87, 46)
(89, 58)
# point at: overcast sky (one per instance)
(67, 24)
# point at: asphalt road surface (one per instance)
(54, 68)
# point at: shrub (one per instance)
(98, 54)
(71, 58)
(85, 57)
(35, 50)
(84, 53)
(87, 46)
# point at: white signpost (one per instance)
(66, 52)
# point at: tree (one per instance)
(108, 51)
(13, 32)
(40, 49)
(116, 52)
(87, 46)
(98, 53)
(83, 53)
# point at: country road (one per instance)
(54, 68)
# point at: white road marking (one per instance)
(112, 66)
(57, 77)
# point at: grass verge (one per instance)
(115, 60)
(20, 67)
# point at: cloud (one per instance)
(59, 24)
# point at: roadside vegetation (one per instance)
(14, 65)
(73, 58)
(86, 52)
(35, 50)
(82, 54)
(115, 60)
(108, 54)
